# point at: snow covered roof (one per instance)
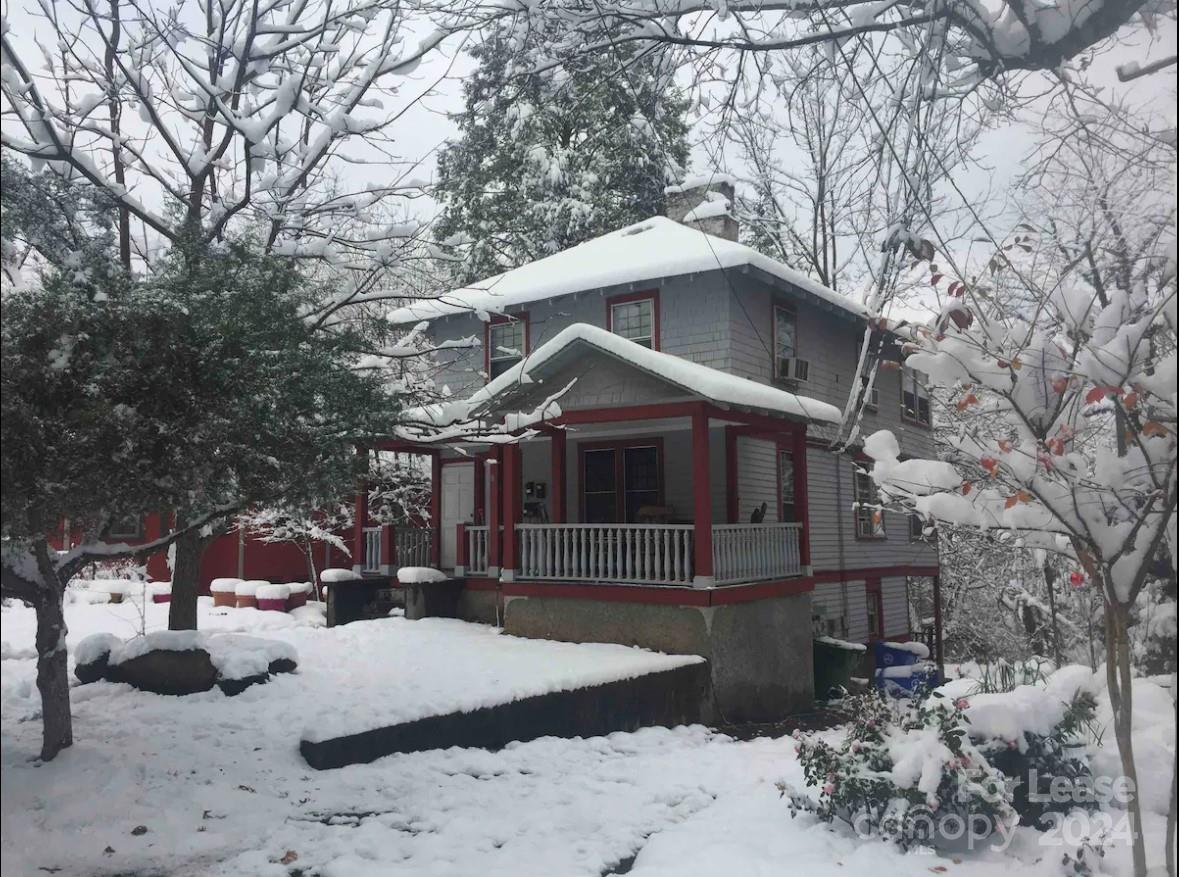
(697, 379)
(655, 248)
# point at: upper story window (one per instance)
(507, 342)
(128, 527)
(635, 317)
(869, 515)
(787, 365)
(915, 404)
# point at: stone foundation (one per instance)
(759, 652)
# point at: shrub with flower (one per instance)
(905, 770)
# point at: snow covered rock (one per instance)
(419, 575)
(91, 656)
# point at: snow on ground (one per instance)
(220, 788)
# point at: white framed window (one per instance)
(915, 404)
(869, 516)
(788, 513)
(634, 321)
(506, 343)
(785, 340)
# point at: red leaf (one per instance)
(1153, 427)
(1011, 502)
(936, 279)
(1059, 385)
(1005, 446)
(1101, 391)
(966, 488)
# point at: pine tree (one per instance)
(546, 160)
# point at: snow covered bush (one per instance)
(907, 772)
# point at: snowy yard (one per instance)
(220, 788)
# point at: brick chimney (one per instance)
(704, 202)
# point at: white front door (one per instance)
(458, 505)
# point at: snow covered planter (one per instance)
(182, 662)
(906, 772)
(300, 593)
(161, 592)
(115, 589)
(246, 593)
(273, 598)
(224, 592)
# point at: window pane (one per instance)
(601, 495)
(786, 476)
(784, 326)
(600, 508)
(634, 320)
(640, 480)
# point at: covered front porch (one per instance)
(685, 494)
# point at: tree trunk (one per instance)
(182, 611)
(53, 681)
(1050, 581)
(1119, 677)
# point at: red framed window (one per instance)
(506, 340)
(635, 316)
(619, 479)
(875, 601)
(866, 498)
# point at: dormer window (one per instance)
(507, 344)
(915, 406)
(635, 317)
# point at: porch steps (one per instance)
(668, 697)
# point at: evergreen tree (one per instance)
(546, 160)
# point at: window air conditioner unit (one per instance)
(794, 369)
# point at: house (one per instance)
(677, 491)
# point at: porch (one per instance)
(685, 494)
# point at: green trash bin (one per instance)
(835, 662)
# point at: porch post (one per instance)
(389, 560)
(801, 499)
(510, 491)
(436, 509)
(360, 516)
(494, 511)
(557, 487)
(702, 496)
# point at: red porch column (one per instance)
(702, 497)
(557, 488)
(495, 508)
(360, 517)
(436, 509)
(460, 549)
(389, 559)
(801, 501)
(510, 491)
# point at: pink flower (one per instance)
(829, 789)
(962, 703)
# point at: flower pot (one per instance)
(297, 599)
(224, 598)
(273, 605)
(246, 601)
(161, 598)
(273, 598)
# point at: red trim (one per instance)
(494, 507)
(557, 458)
(835, 575)
(436, 508)
(388, 545)
(480, 511)
(460, 544)
(701, 493)
(497, 319)
(802, 499)
(512, 499)
(481, 583)
(617, 446)
(652, 294)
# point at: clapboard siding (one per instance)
(757, 478)
(896, 606)
(845, 604)
(833, 534)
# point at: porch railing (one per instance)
(409, 546)
(412, 546)
(755, 552)
(372, 549)
(648, 554)
(476, 557)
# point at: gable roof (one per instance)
(699, 380)
(649, 250)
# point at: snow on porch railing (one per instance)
(372, 549)
(476, 536)
(413, 546)
(643, 554)
(754, 552)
